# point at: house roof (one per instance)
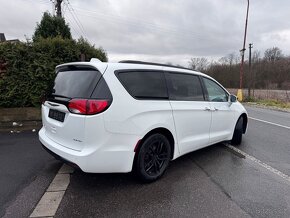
(2, 37)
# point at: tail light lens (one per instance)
(88, 106)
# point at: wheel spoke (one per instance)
(159, 163)
(160, 147)
(150, 150)
(161, 158)
(156, 167)
(149, 165)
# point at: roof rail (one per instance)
(151, 63)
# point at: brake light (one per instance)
(87, 106)
(96, 106)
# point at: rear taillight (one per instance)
(96, 106)
(88, 106)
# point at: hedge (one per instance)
(30, 67)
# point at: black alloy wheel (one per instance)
(153, 157)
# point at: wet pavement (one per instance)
(185, 190)
(26, 170)
(211, 182)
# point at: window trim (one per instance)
(117, 72)
(168, 80)
(205, 89)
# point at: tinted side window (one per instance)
(144, 84)
(215, 92)
(185, 87)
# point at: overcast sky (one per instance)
(160, 31)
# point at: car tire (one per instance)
(238, 132)
(153, 158)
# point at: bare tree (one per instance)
(199, 64)
(256, 56)
(273, 54)
(230, 59)
(269, 72)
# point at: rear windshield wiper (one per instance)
(59, 96)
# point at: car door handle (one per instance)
(216, 109)
(207, 109)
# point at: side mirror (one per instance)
(232, 98)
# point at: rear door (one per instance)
(192, 115)
(62, 126)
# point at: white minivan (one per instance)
(135, 116)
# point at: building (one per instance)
(3, 39)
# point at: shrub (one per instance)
(30, 67)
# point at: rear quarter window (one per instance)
(102, 90)
(144, 84)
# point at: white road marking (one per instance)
(259, 162)
(59, 183)
(264, 121)
(50, 201)
(48, 204)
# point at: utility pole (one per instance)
(250, 67)
(240, 91)
(58, 7)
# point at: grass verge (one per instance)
(269, 103)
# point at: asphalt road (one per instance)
(26, 170)
(212, 182)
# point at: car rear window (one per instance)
(76, 84)
(144, 84)
(185, 87)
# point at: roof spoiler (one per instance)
(95, 60)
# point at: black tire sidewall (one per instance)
(238, 132)
(140, 170)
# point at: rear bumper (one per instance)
(91, 161)
(59, 157)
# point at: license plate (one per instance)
(56, 115)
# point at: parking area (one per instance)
(251, 180)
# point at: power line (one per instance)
(73, 11)
(76, 19)
(152, 28)
(74, 29)
(139, 22)
(46, 2)
(136, 22)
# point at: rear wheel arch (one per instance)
(163, 131)
(153, 154)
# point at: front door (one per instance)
(222, 114)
